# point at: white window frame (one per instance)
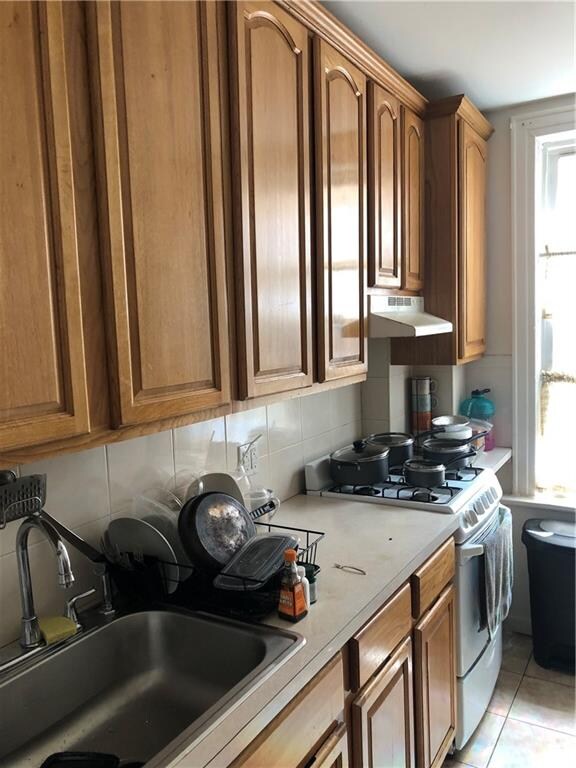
(527, 128)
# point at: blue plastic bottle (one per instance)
(480, 407)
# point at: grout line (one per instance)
(543, 727)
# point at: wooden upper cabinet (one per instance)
(43, 371)
(472, 258)
(158, 73)
(435, 681)
(384, 189)
(340, 102)
(270, 71)
(383, 717)
(455, 285)
(413, 200)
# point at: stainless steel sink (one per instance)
(133, 685)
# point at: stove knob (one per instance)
(476, 511)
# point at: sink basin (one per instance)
(131, 686)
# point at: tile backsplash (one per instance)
(86, 489)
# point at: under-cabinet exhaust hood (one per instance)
(392, 316)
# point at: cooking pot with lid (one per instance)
(362, 463)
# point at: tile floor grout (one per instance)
(486, 759)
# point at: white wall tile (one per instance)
(284, 424)
(201, 447)
(243, 427)
(137, 466)
(378, 358)
(286, 472)
(317, 414)
(347, 404)
(374, 426)
(346, 434)
(399, 404)
(376, 399)
(316, 447)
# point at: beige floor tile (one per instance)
(547, 704)
(516, 652)
(451, 762)
(552, 675)
(522, 745)
(503, 696)
(479, 748)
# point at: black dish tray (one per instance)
(145, 582)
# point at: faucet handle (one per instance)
(71, 612)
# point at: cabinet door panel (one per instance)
(413, 203)
(158, 77)
(334, 752)
(384, 188)
(341, 184)
(382, 715)
(270, 79)
(472, 258)
(43, 371)
(435, 672)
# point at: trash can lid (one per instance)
(560, 533)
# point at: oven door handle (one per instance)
(468, 552)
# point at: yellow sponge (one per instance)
(56, 628)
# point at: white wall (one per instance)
(86, 489)
(495, 369)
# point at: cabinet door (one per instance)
(271, 114)
(384, 189)
(435, 681)
(472, 263)
(157, 71)
(334, 752)
(413, 200)
(341, 213)
(382, 715)
(43, 370)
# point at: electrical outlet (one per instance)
(248, 458)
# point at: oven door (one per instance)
(471, 639)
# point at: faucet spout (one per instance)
(31, 637)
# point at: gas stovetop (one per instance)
(472, 493)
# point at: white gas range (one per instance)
(474, 495)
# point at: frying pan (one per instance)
(213, 527)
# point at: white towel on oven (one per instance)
(498, 571)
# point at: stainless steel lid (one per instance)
(391, 439)
(423, 465)
(360, 452)
(440, 446)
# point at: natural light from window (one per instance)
(556, 313)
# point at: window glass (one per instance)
(556, 297)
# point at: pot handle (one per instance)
(468, 455)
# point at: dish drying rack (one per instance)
(145, 579)
(21, 497)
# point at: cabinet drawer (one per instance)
(431, 578)
(372, 645)
(302, 725)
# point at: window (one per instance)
(555, 228)
(544, 284)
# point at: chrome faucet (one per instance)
(31, 636)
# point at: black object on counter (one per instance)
(87, 760)
(401, 446)
(551, 558)
(362, 463)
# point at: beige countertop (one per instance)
(389, 543)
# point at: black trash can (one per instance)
(551, 550)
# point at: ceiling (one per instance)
(497, 52)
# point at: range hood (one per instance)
(394, 316)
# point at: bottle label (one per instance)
(292, 601)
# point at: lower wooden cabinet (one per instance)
(382, 715)
(302, 733)
(334, 752)
(435, 681)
